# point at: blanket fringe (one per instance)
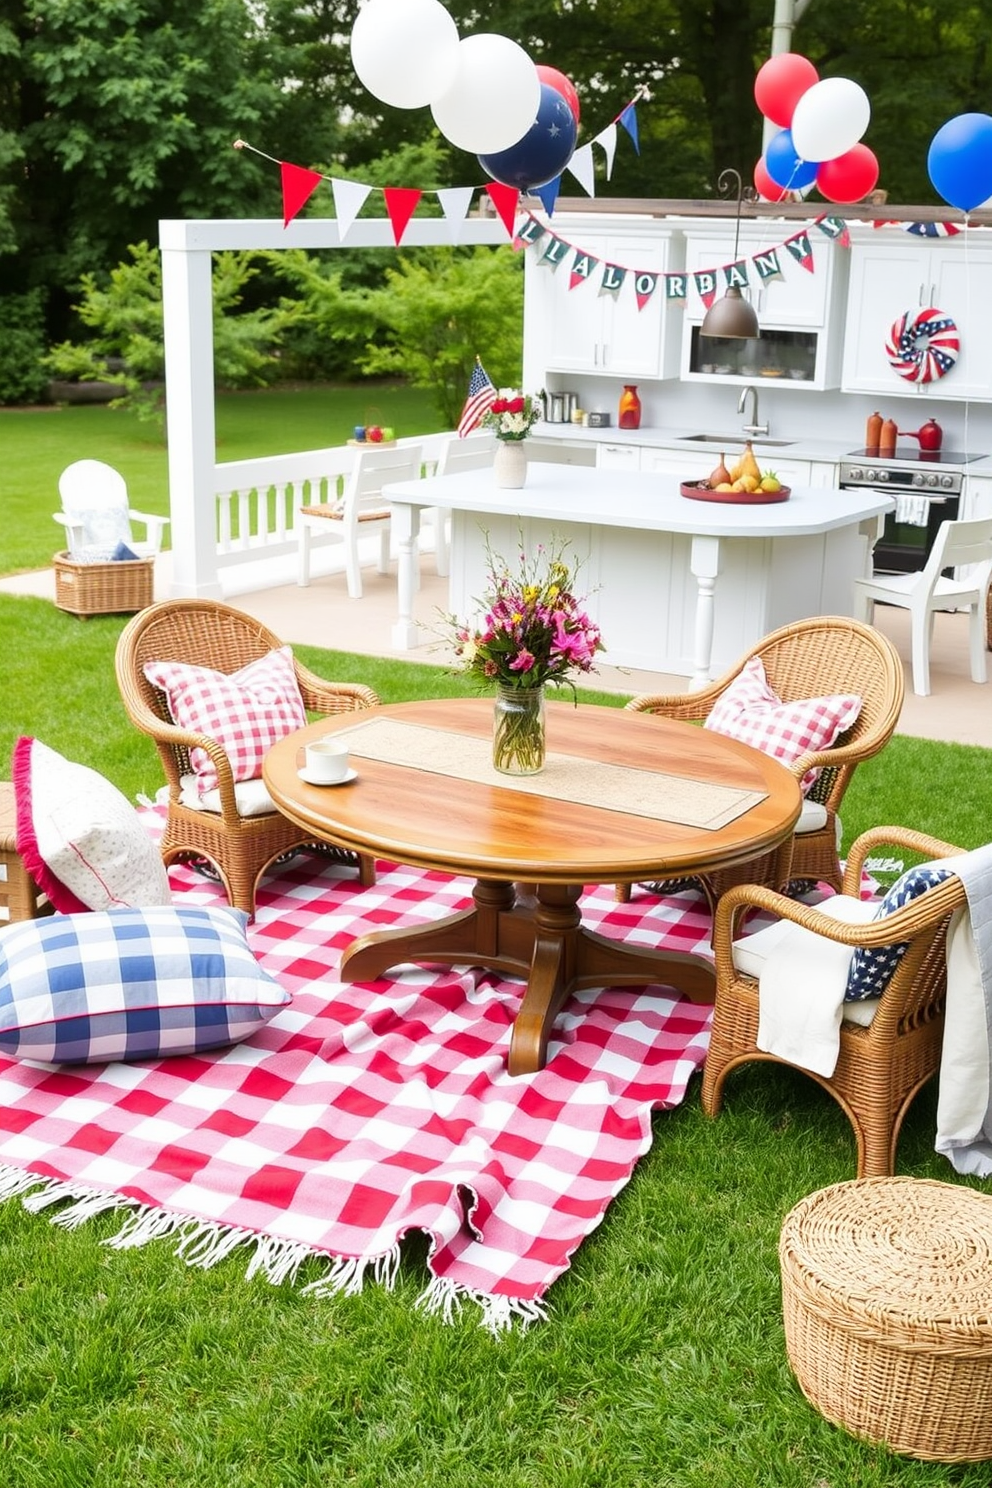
(205, 1243)
(443, 1297)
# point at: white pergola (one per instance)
(186, 249)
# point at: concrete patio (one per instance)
(957, 710)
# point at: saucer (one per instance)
(304, 774)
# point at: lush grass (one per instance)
(37, 445)
(663, 1362)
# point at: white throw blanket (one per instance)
(801, 990)
(964, 1112)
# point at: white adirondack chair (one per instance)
(96, 516)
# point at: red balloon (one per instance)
(564, 86)
(848, 177)
(780, 84)
(766, 188)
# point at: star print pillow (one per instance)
(871, 969)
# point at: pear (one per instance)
(749, 465)
(720, 476)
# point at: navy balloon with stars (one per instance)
(544, 151)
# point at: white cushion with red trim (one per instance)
(750, 710)
(80, 839)
(246, 712)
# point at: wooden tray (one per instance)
(700, 491)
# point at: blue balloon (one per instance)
(786, 168)
(544, 151)
(960, 160)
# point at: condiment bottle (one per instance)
(630, 408)
(887, 438)
(873, 434)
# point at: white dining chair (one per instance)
(360, 512)
(475, 452)
(96, 516)
(965, 546)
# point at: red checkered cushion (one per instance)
(246, 712)
(750, 710)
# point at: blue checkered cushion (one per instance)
(872, 969)
(130, 984)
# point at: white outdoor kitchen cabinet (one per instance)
(587, 329)
(903, 272)
(801, 312)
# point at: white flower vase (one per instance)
(510, 464)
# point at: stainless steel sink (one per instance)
(734, 439)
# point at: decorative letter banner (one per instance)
(705, 282)
(645, 285)
(582, 266)
(799, 246)
(767, 265)
(613, 279)
(735, 275)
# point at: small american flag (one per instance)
(480, 396)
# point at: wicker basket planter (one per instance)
(887, 1299)
(20, 896)
(115, 588)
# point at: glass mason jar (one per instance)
(518, 730)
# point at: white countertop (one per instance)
(803, 447)
(606, 498)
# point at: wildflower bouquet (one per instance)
(511, 415)
(534, 632)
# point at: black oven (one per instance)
(926, 493)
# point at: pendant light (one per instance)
(732, 315)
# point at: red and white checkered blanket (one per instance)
(363, 1112)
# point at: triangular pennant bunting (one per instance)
(613, 279)
(455, 202)
(799, 246)
(677, 287)
(705, 282)
(298, 186)
(582, 266)
(583, 169)
(735, 275)
(504, 199)
(349, 198)
(834, 228)
(608, 140)
(529, 231)
(401, 203)
(548, 194)
(766, 265)
(554, 251)
(629, 121)
(645, 284)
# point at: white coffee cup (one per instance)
(327, 760)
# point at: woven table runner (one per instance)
(566, 777)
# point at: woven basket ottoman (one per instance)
(887, 1298)
(20, 896)
(117, 588)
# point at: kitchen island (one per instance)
(676, 585)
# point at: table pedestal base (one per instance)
(534, 932)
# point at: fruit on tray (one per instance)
(769, 482)
(374, 434)
(720, 477)
(747, 465)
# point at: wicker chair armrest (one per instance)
(687, 707)
(321, 696)
(877, 837)
(923, 912)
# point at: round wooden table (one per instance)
(531, 854)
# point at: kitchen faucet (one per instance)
(753, 427)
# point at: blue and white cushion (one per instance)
(130, 984)
(871, 969)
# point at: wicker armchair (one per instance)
(202, 632)
(882, 1067)
(810, 658)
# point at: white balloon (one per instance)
(494, 98)
(405, 51)
(829, 119)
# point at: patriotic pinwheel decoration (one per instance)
(923, 346)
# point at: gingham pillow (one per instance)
(246, 712)
(871, 969)
(81, 840)
(130, 984)
(750, 710)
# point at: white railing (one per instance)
(257, 502)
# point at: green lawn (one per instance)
(37, 445)
(662, 1364)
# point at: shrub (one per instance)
(23, 376)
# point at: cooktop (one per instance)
(908, 453)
